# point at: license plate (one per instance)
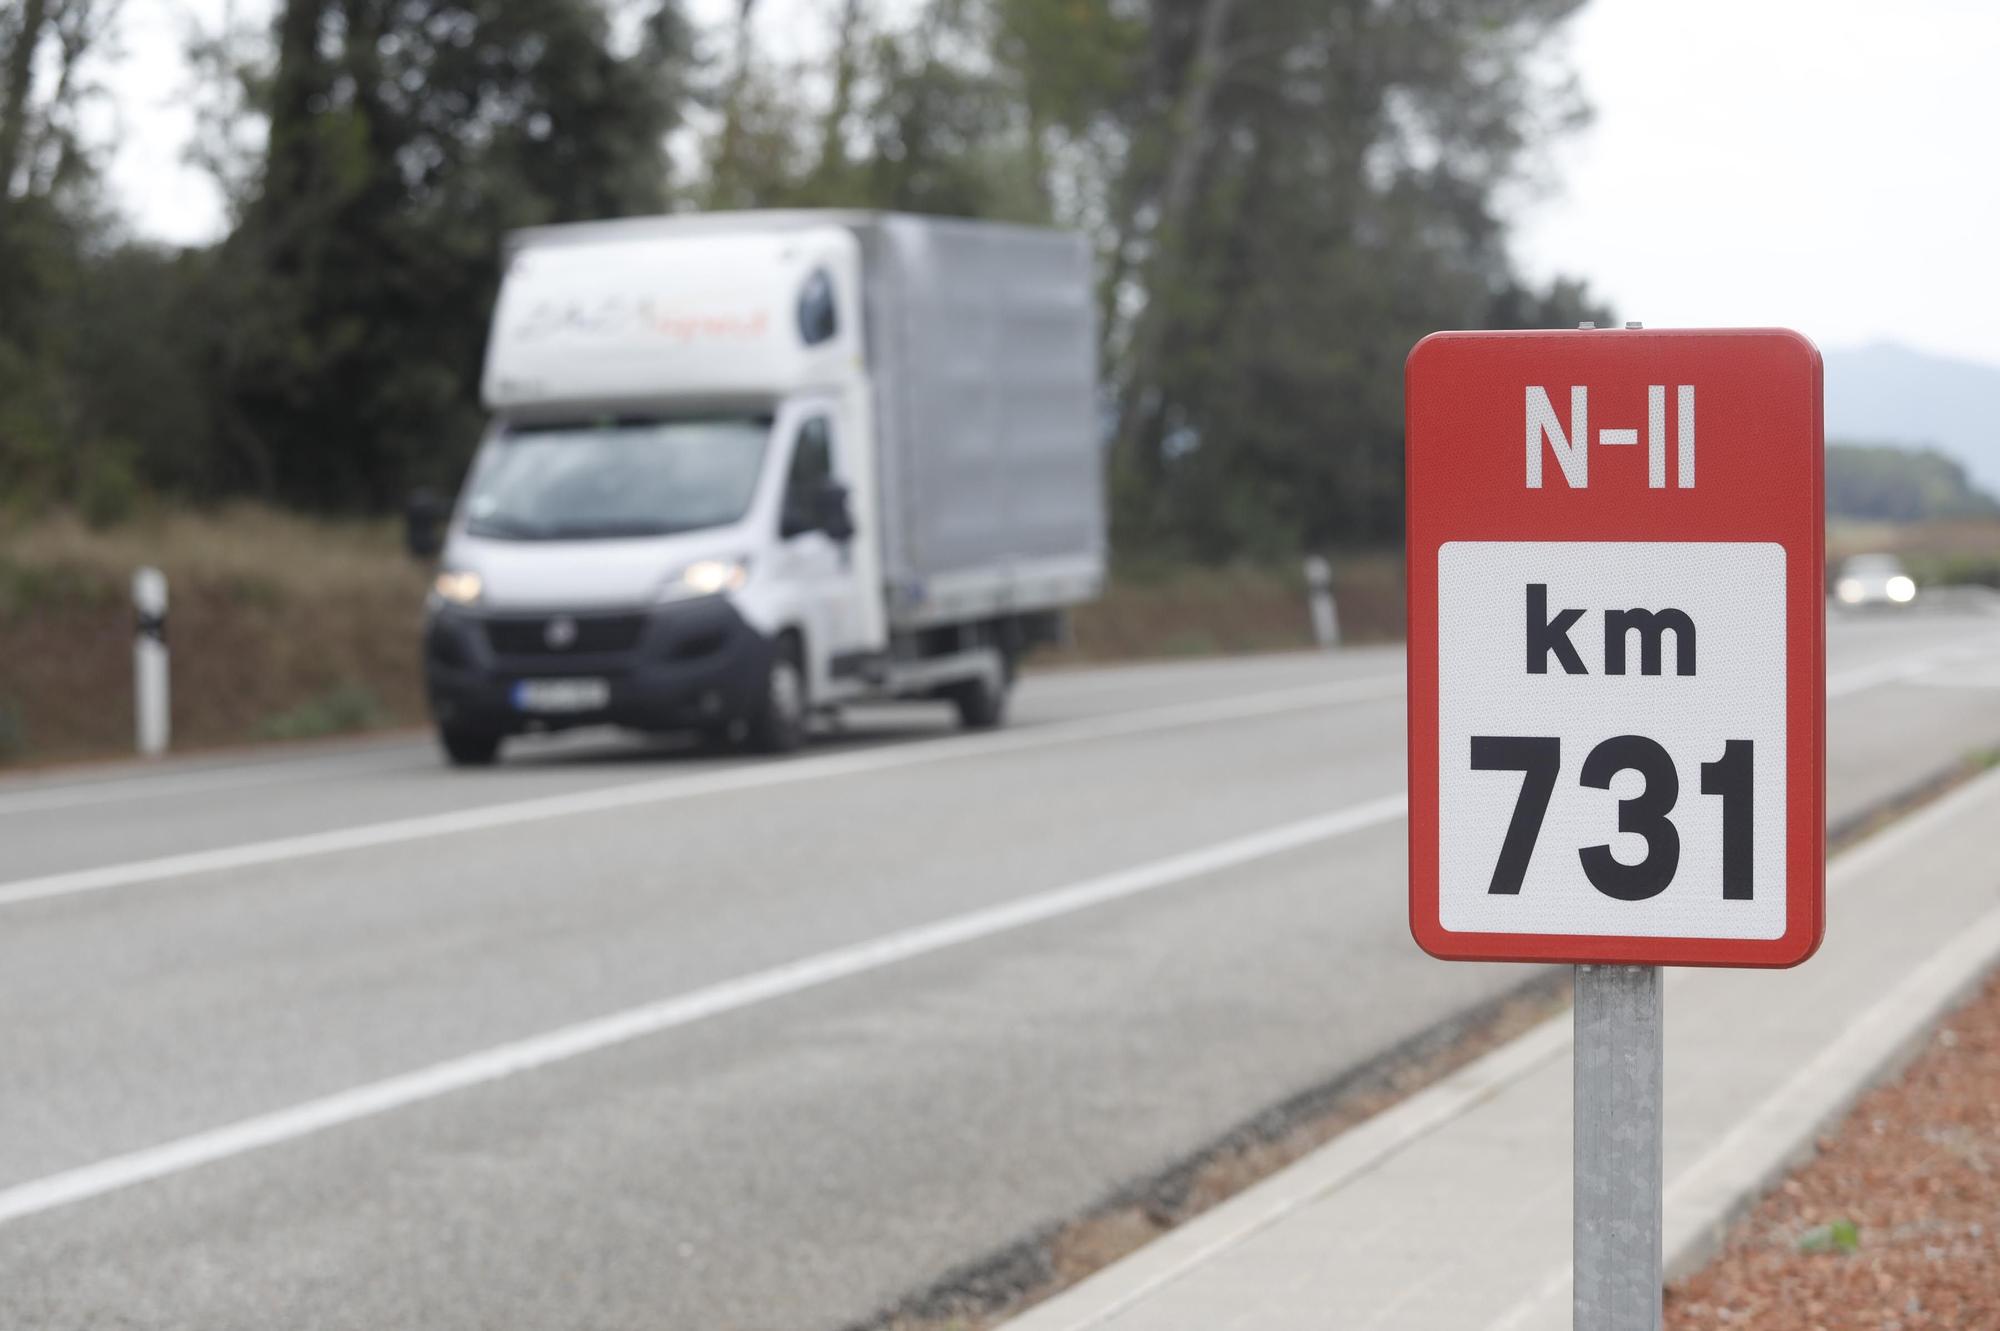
(561, 695)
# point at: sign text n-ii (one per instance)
(1572, 446)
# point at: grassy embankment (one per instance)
(1956, 552)
(282, 627)
(279, 628)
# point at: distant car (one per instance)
(1874, 580)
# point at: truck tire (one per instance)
(982, 705)
(469, 747)
(779, 723)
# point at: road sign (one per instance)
(1616, 646)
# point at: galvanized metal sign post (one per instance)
(1617, 695)
(1619, 1137)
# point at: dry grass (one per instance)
(287, 627)
(1238, 608)
(1958, 551)
(242, 545)
(278, 625)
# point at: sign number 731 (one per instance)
(1539, 760)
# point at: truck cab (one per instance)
(677, 519)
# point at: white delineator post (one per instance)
(1319, 601)
(151, 703)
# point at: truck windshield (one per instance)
(621, 478)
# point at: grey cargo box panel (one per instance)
(984, 350)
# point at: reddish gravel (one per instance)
(1915, 1168)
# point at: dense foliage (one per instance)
(1882, 483)
(1283, 195)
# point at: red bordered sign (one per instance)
(1617, 646)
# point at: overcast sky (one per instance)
(1826, 164)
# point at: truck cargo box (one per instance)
(984, 345)
(981, 350)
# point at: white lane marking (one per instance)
(1904, 668)
(1946, 677)
(1249, 671)
(667, 789)
(120, 789)
(618, 1028)
(28, 796)
(1052, 685)
(1404, 1126)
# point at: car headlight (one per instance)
(458, 586)
(1901, 589)
(1849, 590)
(706, 577)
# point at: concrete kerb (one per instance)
(1342, 1160)
(1702, 1201)
(1710, 1195)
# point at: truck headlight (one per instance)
(1901, 589)
(706, 577)
(1849, 590)
(458, 586)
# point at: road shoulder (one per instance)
(1452, 1211)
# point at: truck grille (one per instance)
(594, 634)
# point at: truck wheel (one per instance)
(981, 703)
(468, 747)
(779, 725)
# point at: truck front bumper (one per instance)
(673, 667)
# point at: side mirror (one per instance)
(832, 514)
(423, 524)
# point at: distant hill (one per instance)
(1897, 484)
(1887, 393)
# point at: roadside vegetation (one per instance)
(1916, 504)
(280, 627)
(285, 627)
(1283, 197)
(1958, 552)
(288, 627)
(1890, 483)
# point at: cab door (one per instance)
(816, 548)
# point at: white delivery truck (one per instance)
(747, 467)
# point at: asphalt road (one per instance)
(616, 1036)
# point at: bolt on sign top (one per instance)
(1617, 655)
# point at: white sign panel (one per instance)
(1611, 738)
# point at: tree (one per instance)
(1283, 195)
(42, 148)
(50, 221)
(406, 136)
(1311, 189)
(916, 119)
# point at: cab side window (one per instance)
(818, 316)
(812, 468)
